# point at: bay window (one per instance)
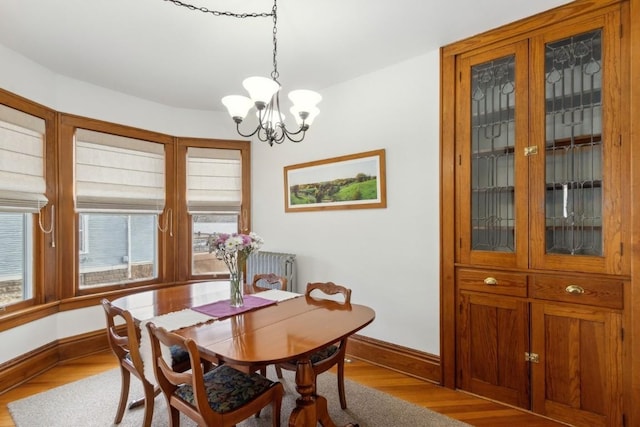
(119, 193)
(91, 209)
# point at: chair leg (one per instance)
(276, 405)
(150, 392)
(206, 366)
(140, 401)
(343, 399)
(279, 372)
(174, 416)
(124, 394)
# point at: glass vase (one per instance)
(236, 287)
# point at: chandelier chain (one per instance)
(218, 13)
(274, 12)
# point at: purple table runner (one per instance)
(220, 309)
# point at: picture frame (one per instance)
(354, 181)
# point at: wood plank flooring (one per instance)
(459, 405)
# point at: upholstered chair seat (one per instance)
(227, 389)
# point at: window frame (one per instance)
(83, 235)
(184, 219)
(43, 253)
(70, 264)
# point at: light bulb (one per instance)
(261, 90)
(238, 106)
(299, 115)
(304, 99)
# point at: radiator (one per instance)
(282, 264)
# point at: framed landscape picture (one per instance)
(355, 181)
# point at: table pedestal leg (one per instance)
(310, 409)
(306, 413)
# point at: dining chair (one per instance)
(334, 354)
(221, 397)
(265, 282)
(124, 340)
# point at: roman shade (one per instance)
(22, 182)
(214, 181)
(118, 174)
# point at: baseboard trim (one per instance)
(418, 364)
(22, 369)
(29, 365)
(15, 372)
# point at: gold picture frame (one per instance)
(354, 181)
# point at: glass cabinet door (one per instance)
(573, 145)
(575, 173)
(493, 125)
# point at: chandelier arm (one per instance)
(276, 101)
(249, 135)
(291, 134)
(265, 136)
(303, 128)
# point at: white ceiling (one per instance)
(184, 58)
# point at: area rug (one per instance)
(93, 401)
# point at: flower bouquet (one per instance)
(234, 249)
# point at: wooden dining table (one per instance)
(292, 329)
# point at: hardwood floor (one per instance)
(462, 406)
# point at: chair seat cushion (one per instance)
(227, 388)
(320, 355)
(323, 354)
(178, 355)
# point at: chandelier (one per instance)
(264, 95)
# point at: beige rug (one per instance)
(93, 401)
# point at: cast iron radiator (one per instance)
(262, 262)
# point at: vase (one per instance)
(236, 287)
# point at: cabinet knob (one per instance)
(574, 289)
(491, 281)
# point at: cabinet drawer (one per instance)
(492, 281)
(579, 290)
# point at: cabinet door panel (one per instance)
(492, 173)
(576, 213)
(578, 376)
(493, 337)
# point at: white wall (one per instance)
(389, 257)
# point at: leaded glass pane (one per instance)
(573, 82)
(492, 155)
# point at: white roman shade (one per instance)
(22, 182)
(214, 181)
(118, 174)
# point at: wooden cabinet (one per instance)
(541, 260)
(493, 338)
(556, 352)
(577, 373)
